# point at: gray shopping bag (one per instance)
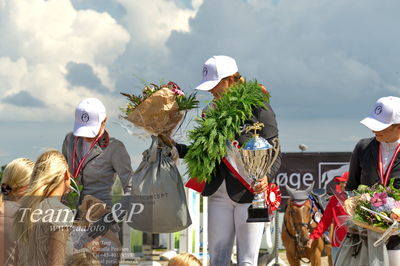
(358, 250)
(157, 185)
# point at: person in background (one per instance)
(229, 199)
(95, 158)
(42, 222)
(15, 181)
(184, 259)
(335, 213)
(376, 159)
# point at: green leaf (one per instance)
(220, 124)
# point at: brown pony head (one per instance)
(298, 215)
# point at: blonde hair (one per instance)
(83, 258)
(184, 259)
(16, 175)
(238, 78)
(48, 173)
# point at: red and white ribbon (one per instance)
(80, 164)
(273, 197)
(385, 176)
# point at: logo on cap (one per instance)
(205, 71)
(85, 117)
(378, 110)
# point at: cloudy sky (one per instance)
(324, 62)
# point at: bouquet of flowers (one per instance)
(376, 208)
(159, 109)
(157, 183)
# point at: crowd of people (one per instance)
(38, 225)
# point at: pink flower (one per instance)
(175, 88)
(379, 199)
(178, 92)
(172, 85)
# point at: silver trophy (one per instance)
(253, 162)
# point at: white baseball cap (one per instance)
(215, 69)
(386, 112)
(89, 114)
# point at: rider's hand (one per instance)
(309, 243)
(262, 186)
(167, 140)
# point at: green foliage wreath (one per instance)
(219, 124)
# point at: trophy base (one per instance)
(257, 215)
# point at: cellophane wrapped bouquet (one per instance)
(157, 183)
(159, 109)
(375, 208)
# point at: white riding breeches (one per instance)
(227, 219)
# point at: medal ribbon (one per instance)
(80, 164)
(385, 176)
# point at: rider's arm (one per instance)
(326, 219)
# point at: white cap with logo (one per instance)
(386, 112)
(89, 114)
(215, 69)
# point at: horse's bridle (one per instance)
(296, 237)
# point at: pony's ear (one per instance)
(290, 191)
(310, 188)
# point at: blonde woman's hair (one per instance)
(16, 175)
(184, 259)
(48, 173)
(83, 258)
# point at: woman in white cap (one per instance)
(377, 159)
(228, 197)
(95, 158)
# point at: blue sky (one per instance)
(324, 62)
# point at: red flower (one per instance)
(264, 89)
(172, 85)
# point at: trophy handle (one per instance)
(273, 153)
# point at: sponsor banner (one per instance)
(300, 170)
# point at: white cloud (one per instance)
(318, 58)
(322, 60)
(42, 38)
(151, 22)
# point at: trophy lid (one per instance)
(256, 142)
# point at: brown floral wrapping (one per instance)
(159, 114)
